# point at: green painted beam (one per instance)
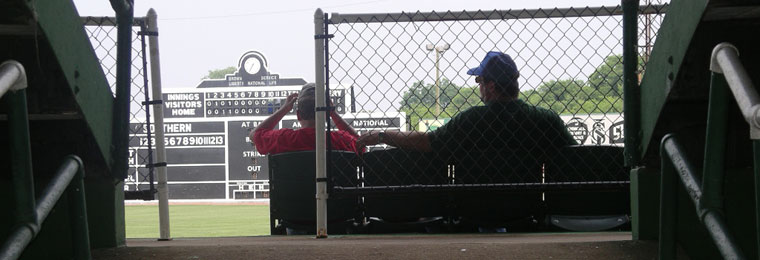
(62, 28)
(645, 203)
(673, 40)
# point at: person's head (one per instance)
(306, 99)
(497, 77)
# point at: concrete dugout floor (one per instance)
(603, 245)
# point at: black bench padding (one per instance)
(401, 168)
(588, 164)
(292, 191)
(580, 186)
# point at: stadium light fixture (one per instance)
(438, 51)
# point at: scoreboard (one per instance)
(206, 132)
(206, 135)
(235, 103)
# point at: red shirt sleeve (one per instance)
(344, 141)
(265, 140)
(288, 140)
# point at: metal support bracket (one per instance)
(153, 102)
(323, 36)
(754, 133)
(147, 33)
(155, 165)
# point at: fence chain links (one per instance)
(412, 65)
(102, 33)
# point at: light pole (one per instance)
(438, 51)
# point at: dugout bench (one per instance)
(292, 202)
(583, 188)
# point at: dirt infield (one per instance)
(607, 245)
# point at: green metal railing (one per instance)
(13, 79)
(31, 215)
(728, 74)
(69, 176)
(725, 61)
(674, 162)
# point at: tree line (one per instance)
(601, 93)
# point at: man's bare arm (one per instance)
(271, 121)
(417, 141)
(342, 124)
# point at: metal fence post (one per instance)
(158, 119)
(631, 96)
(124, 16)
(328, 109)
(756, 163)
(104, 40)
(321, 164)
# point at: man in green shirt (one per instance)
(505, 129)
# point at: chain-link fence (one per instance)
(102, 32)
(415, 64)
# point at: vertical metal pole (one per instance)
(158, 119)
(78, 213)
(668, 203)
(21, 156)
(328, 112)
(124, 18)
(756, 161)
(13, 78)
(321, 166)
(715, 145)
(437, 87)
(631, 96)
(353, 100)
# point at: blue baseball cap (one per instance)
(496, 66)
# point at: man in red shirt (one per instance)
(270, 141)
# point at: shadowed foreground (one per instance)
(611, 245)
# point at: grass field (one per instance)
(199, 220)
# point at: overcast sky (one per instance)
(197, 36)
